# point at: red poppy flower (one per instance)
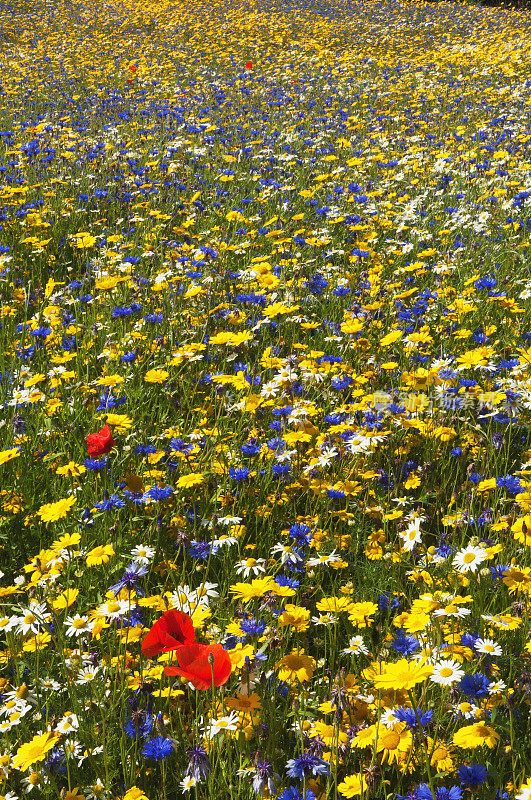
(195, 666)
(100, 442)
(172, 631)
(133, 67)
(249, 65)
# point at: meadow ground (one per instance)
(266, 400)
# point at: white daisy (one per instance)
(488, 647)
(497, 687)
(215, 726)
(411, 536)
(187, 783)
(446, 672)
(355, 647)
(142, 553)
(86, 675)
(78, 625)
(469, 559)
(68, 724)
(250, 566)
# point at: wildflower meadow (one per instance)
(265, 379)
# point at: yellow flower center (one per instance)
(391, 740)
(446, 672)
(469, 558)
(78, 624)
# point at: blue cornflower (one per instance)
(294, 793)
(110, 502)
(239, 474)
(134, 571)
(158, 493)
(138, 726)
(509, 482)
(42, 331)
(198, 549)
(469, 639)
(301, 533)
(180, 447)
(253, 627)
(473, 775)
(199, 765)
(335, 494)
(280, 469)
(476, 685)
(306, 765)
(442, 793)
(404, 643)
(408, 716)
(283, 580)
(264, 776)
(56, 761)
(499, 571)
(158, 748)
(385, 601)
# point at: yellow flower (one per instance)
(51, 512)
(244, 702)
(27, 754)
(403, 674)
(296, 667)
(84, 240)
(239, 653)
(192, 479)
(71, 470)
(441, 755)
(352, 326)
(476, 735)
(328, 733)
(67, 540)
(365, 737)
(8, 455)
(352, 786)
(394, 743)
(134, 793)
(99, 555)
(472, 358)
(110, 380)
(247, 591)
(73, 795)
(517, 579)
(156, 376)
(334, 605)
(122, 422)
(391, 338)
(65, 599)
(294, 616)
(359, 613)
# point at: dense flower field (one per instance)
(265, 371)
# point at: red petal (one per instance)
(173, 630)
(195, 666)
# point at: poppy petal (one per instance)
(196, 668)
(172, 631)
